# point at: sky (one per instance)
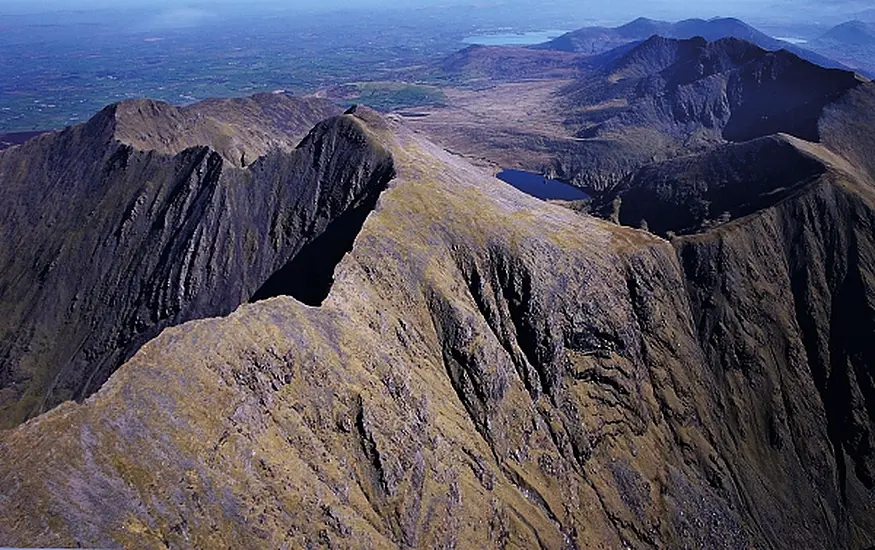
(170, 13)
(679, 6)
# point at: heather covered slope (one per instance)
(489, 370)
(790, 290)
(486, 65)
(122, 226)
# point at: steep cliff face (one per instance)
(783, 303)
(487, 370)
(781, 290)
(110, 243)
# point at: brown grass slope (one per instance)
(490, 371)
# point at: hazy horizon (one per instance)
(66, 60)
(608, 11)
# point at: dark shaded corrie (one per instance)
(309, 275)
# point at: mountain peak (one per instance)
(857, 33)
(642, 26)
(181, 236)
(239, 129)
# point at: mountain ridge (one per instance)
(490, 369)
(359, 339)
(166, 237)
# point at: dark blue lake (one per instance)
(543, 188)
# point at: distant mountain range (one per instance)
(636, 104)
(726, 89)
(866, 15)
(598, 40)
(851, 43)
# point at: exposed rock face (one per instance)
(489, 370)
(781, 293)
(110, 242)
(783, 305)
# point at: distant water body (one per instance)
(541, 187)
(792, 40)
(513, 38)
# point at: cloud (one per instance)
(178, 18)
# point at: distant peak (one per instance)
(643, 25)
(659, 42)
(731, 43)
(853, 32)
(855, 23)
(370, 117)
